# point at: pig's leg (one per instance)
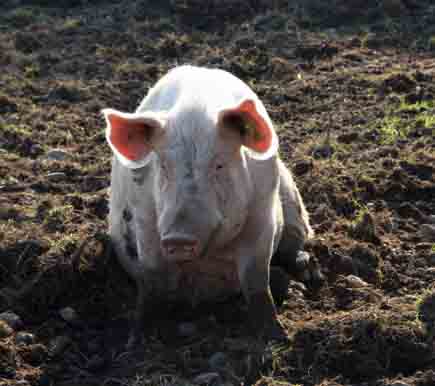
(147, 303)
(253, 270)
(139, 256)
(151, 279)
(136, 329)
(296, 230)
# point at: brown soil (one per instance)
(350, 88)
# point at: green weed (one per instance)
(57, 217)
(393, 128)
(32, 71)
(71, 24)
(419, 106)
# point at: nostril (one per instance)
(180, 243)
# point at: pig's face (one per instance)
(197, 168)
(201, 179)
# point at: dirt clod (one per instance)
(399, 83)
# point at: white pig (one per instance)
(199, 199)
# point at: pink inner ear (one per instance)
(261, 140)
(129, 136)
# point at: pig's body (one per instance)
(234, 206)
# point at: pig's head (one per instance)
(201, 181)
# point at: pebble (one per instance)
(217, 361)
(187, 329)
(428, 232)
(399, 383)
(57, 155)
(5, 329)
(430, 270)
(206, 378)
(12, 319)
(68, 314)
(353, 281)
(24, 338)
(56, 176)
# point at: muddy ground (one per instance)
(350, 87)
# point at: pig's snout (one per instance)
(180, 247)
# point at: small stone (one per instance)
(206, 378)
(68, 314)
(5, 329)
(24, 338)
(353, 281)
(56, 176)
(12, 319)
(59, 344)
(427, 231)
(57, 155)
(399, 383)
(187, 329)
(217, 361)
(36, 150)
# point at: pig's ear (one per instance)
(132, 136)
(251, 121)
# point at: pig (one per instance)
(199, 198)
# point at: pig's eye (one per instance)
(219, 166)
